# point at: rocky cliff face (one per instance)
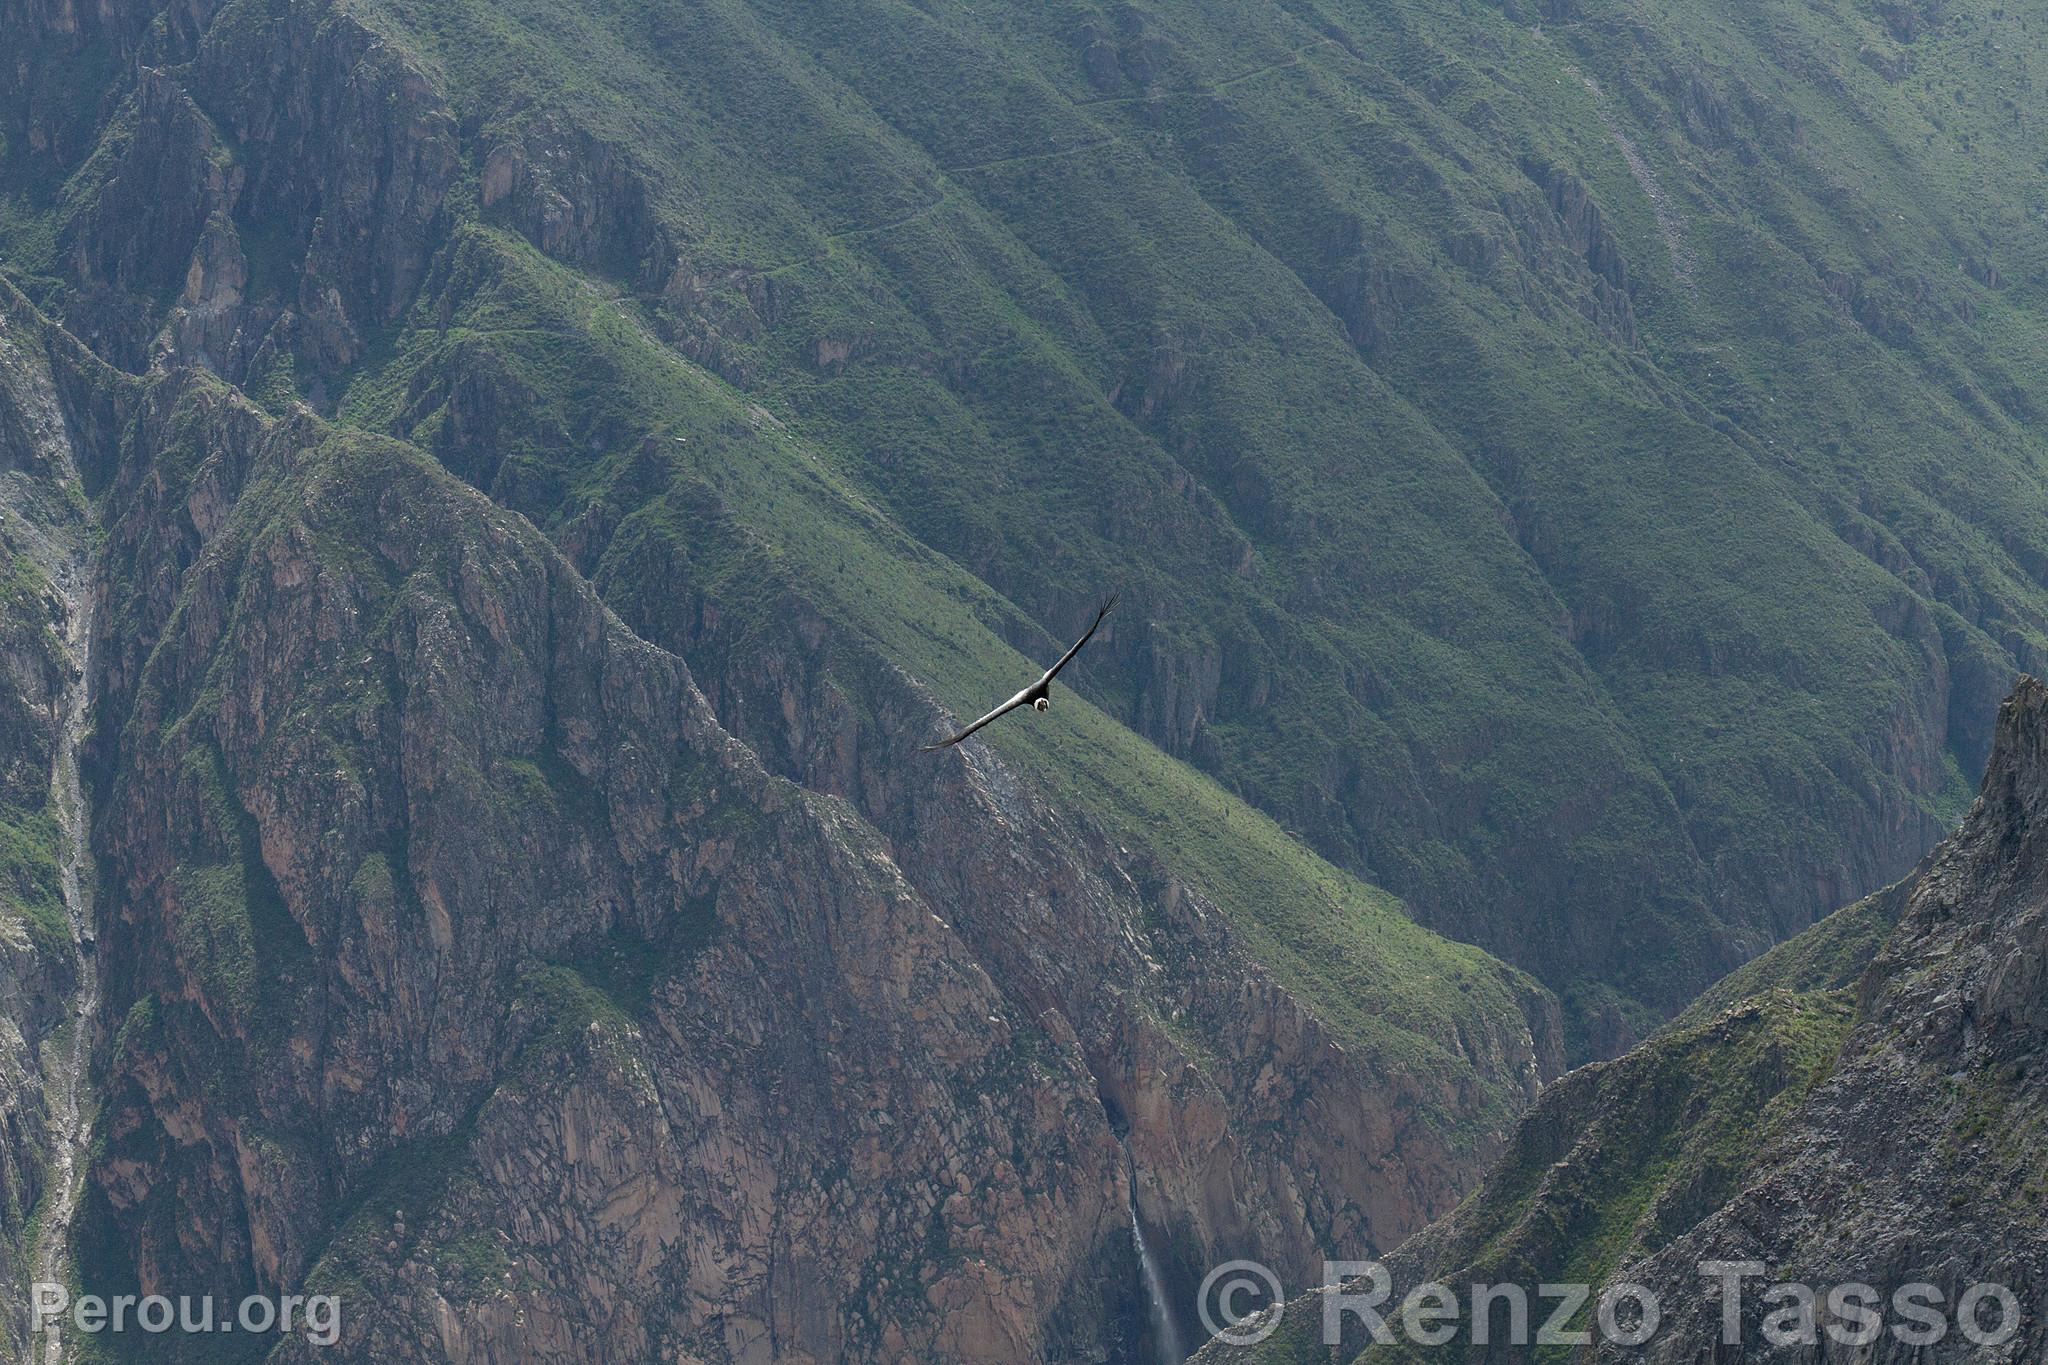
(466, 967)
(1880, 1125)
(1924, 1158)
(459, 961)
(46, 992)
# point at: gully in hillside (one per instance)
(1039, 695)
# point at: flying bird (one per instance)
(1038, 696)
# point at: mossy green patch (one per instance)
(33, 849)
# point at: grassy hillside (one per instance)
(1614, 1162)
(1578, 475)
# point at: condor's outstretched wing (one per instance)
(1086, 636)
(1005, 709)
(1037, 689)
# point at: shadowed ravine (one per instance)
(67, 1051)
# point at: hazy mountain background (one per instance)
(1573, 473)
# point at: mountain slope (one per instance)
(1517, 441)
(1566, 474)
(1884, 1133)
(427, 884)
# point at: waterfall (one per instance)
(1167, 1348)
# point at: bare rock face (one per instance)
(467, 966)
(351, 148)
(165, 167)
(342, 155)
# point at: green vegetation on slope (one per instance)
(1403, 995)
(1517, 443)
(32, 851)
(1579, 476)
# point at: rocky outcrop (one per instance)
(1609, 1160)
(1923, 1158)
(577, 199)
(1877, 1126)
(161, 163)
(489, 980)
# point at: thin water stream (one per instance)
(1167, 1347)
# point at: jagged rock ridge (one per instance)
(1883, 1125)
